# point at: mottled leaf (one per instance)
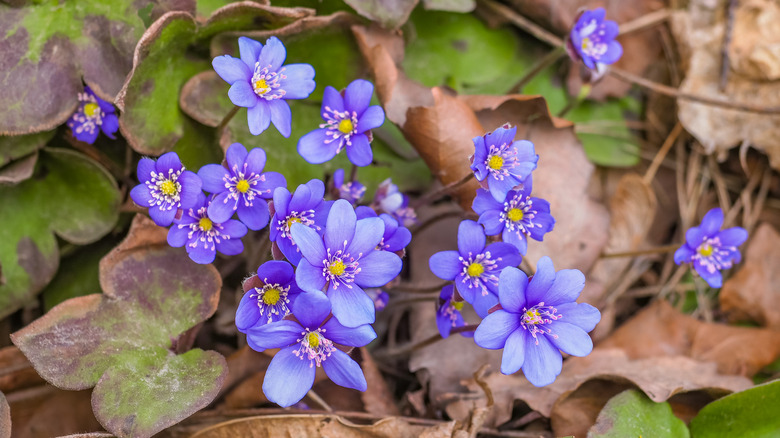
(18, 146)
(5, 417)
(751, 413)
(73, 197)
(450, 5)
(204, 98)
(631, 413)
(18, 170)
(49, 46)
(124, 342)
(390, 14)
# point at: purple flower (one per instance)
(518, 217)
(242, 187)
(379, 297)
(593, 39)
(204, 236)
(305, 343)
(260, 83)
(352, 191)
(390, 200)
(347, 121)
(711, 250)
(395, 238)
(343, 261)
(537, 319)
(448, 313)
(165, 188)
(267, 295)
(93, 114)
(474, 267)
(306, 207)
(505, 163)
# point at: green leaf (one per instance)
(73, 197)
(632, 414)
(50, 45)
(12, 148)
(751, 413)
(124, 342)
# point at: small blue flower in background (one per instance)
(166, 186)
(395, 237)
(593, 39)
(242, 187)
(352, 191)
(379, 297)
(93, 115)
(448, 313)
(518, 217)
(537, 319)
(474, 267)
(260, 83)
(202, 236)
(502, 162)
(711, 250)
(343, 261)
(268, 295)
(347, 121)
(306, 345)
(306, 207)
(388, 198)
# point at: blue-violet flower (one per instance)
(537, 319)
(242, 187)
(93, 115)
(474, 267)
(260, 83)
(343, 261)
(593, 39)
(347, 122)
(395, 238)
(165, 187)
(448, 314)
(518, 217)
(204, 236)
(306, 207)
(268, 295)
(379, 297)
(307, 344)
(352, 191)
(388, 198)
(502, 163)
(711, 250)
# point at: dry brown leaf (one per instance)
(16, 372)
(754, 68)
(377, 398)
(5, 417)
(46, 411)
(197, 102)
(753, 293)
(660, 330)
(284, 426)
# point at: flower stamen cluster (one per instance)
(500, 160)
(537, 319)
(265, 82)
(241, 185)
(203, 230)
(165, 189)
(340, 268)
(339, 126)
(713, 255)
(478, 269)
(314, 347)
(273, 298)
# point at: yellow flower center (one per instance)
(345, 126)
(585, 43)
(168, 188)
(458, 305)
(293, 220)
(271, 296)
(242, 186)
(532, 316)
(91, 109)
(313, 339)
(205, 224)
(495, 162)
(475, 269)
(261, 86)
(337, 268)
(515, 215)
(705, 250)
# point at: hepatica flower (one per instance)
(593, 39)
(306, 207)
(352, 191)
(348, 119)
(501, 162)
(343, 261)
(448, 314)
(242, 187)
(259, 82)
(537, 319)
(390, 200)
(395, 238)
(518, 217)
(711, 250)
(268, 296)
(474, 267)
(379, 297)
(307, 344)
(202, 236)
(165, 187)
(92, 116)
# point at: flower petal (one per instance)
(248, 313)
(299, 82)
(494, 330)
(331, 98)
(351, 337)
(514, 352)
(288, 378)
(511, 289)
(570, 339)
(340, 225)
(566, 287)
(254, 216)
(280, 334)
(145, 168)
(357, 96)
(254, 161)
(221, 208)
(484, 202)
(162, 217)
(311, 308)
(230, 246)
(378, 268)
(368, 233)
(213, 177)
(191, 186)
(281, 116)
(231, 69)
(491, 220)
(543, 362)
(372, 117)
(269, 182)
(445, 264)
(712, 221)
(314, 150)
(583, 315)
(359, 152)
(734, 236)
(504, 254)
(310, 243)
(242, 94)
(471, 238)
(141, 196)
(344, 371)
(272, 55)
(249, 51)
(309, 277)
(259, 117)
(351, 306)
(235, 157)
(169, 161)
(540, 282)
(202, 254)
(177, 237)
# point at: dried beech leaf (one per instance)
(753, 293)
(46, 411)
(377, 399)
(5, 417)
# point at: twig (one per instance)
(548, 60)
(659, 157)
(720, 185)
(645, 21)
(313, 395)
(439, 217)
(524, 23)
(656, 250)
(226, 120)
(724, 51)
(97, 155)
(412, 346)
(353, 173)
(437, 194)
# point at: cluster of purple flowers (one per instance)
(592, 41)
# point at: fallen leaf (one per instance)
(389, 14)
(123, 341)
(631, 413)
(752, 293)
(377, 399)
(753, 66)
(47, 411)
(5, 417)
(660, 330)
(16, 372)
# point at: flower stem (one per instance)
(548, 60)
(656, 250)
(414, 346)
(353, 173)
(436, 195)
(226, 120)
